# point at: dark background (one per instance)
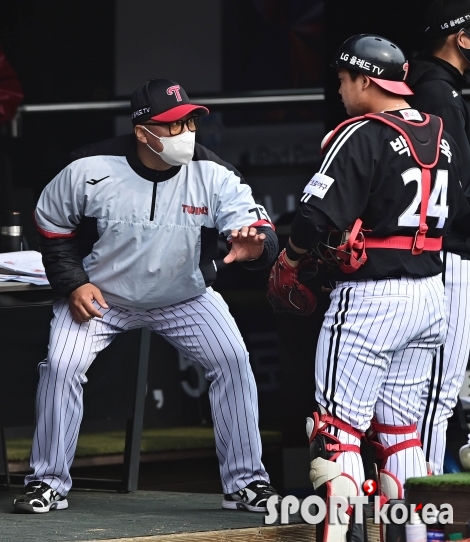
(66, 53)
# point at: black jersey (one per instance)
(368, 172)
(437, 87)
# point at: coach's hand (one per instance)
(81, 303)
(246, 244)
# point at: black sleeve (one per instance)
(341, 187)
(63, 264)
(457, 239)
(454, 124)
(462, 223)
(308, 226)
(458, 243)
(269, 254)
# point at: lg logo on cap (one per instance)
(406, 67)
(175, 89)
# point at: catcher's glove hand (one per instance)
(285, 292)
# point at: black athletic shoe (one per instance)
(252, 498)
(38, 498)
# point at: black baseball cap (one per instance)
(162, 100)
(445, 17)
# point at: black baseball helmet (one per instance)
(379, 58)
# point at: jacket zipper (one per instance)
(154, 197)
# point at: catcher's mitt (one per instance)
(285, 292)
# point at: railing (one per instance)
(255, 98)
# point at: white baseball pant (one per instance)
(201, 328)
(449, 364)
(373, 359)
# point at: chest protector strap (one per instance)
(423, 140)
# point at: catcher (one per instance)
(389, 181)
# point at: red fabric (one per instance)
(384, 453)
(11, 92)
(342, 448)
(397, 87)
(322, 421)
(262, 223)
(51, 234)
(402, 242)
(393, 429)
(180, 111)
(353, 252)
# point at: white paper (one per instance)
(27, 262)
(38, 281)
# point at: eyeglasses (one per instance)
(177, 126)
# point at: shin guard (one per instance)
(391, 493)
(390, 487)
(329, 482)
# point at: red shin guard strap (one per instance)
(323, 421)
(343, 426)
(384, 453)
(393, 429)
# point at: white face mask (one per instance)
(177, 150)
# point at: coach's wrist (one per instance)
(76, 287)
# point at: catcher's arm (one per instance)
(294, 254)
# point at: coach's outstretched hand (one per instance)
(246, 244)
(81, 303)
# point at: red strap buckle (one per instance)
(353, 251)
(419, 241)
(342, 448)
(333, 447)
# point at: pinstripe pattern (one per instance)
(203, 329)
(449, 364)
(373, 358)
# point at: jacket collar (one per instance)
(145, 172)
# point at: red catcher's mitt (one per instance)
(285, 292)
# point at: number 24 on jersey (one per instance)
(437, 206)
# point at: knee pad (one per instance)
(329, 482)
(324, 444)
(382, 453)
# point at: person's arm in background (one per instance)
(11, 91)
(11, 96)
(454, 124)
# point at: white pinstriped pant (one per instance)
(203, 329)
(374, 356)
(449, 364)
